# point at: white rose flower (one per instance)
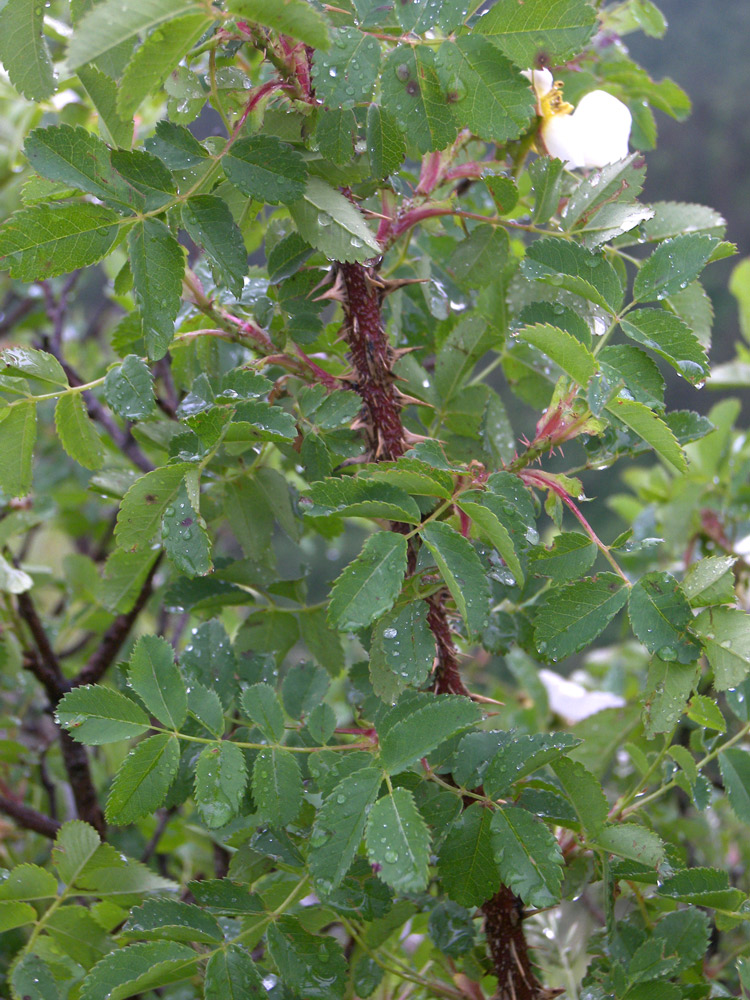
(592, 135)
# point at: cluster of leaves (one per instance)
(213, 468)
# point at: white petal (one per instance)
(563, 139)
(572, 701)
(603, 125)
(540, 79)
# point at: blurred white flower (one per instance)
(592, 135)
(573, 702)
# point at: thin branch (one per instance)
(116, 635)
(29, 818)
(42, 661)
(165, 816)
(45, 666)
(9, 320)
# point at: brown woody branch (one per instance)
(386, 439)
(42, 660)
(503, 915)
(29, 818)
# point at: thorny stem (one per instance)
(385, 439)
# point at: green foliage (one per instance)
(299, 421)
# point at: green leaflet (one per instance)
(25, 362)
(205, 706)
(660, 615)
(231, 975)
(304, 687)
(259, 703)
(669, 337)
(329, 222)
(480, 508)
(109, 24)
(493, 99)
(672, 266)
(527, 855)
(466, 862)
(15, 914)
(412, 729)
(735, 770)
(462, 571)
(156, 679)
(175, 146)
(29, 882)
(335, 134)
(398, 841)
(726, 639)
(277, 786)
(23, 50)
(144, 504)
(354, 59)
(75, 845)
(710, 581)
(412, 90)
(521, 756)
(668, 687)
(361, 498)
(124, 575)
(158, 265)
(156, 58)
(703, 887)
(567, 265)
(77, 433)
(32, 978)
(102, 90)
(471, 337)
(546, 176)
(129, 388)
(139, 968)
(564, 349)
(77, 159)
(210, 224)
(220, 779)
(370, 584)
(584, 792)
(266, 169)
(40, 242)
(141, 784)
(16, 455)
(94, 714)
(558, 28)
(573, 616)
(652, 429)
(570, 556)
(628, 840)
(339, 827)
(172, 920)
(311, 965)
(184, 535)
(290, 17)
(404, 646)
(621, 182)
(385, 142)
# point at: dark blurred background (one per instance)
(706, 158)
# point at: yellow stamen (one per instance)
(552, 104)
